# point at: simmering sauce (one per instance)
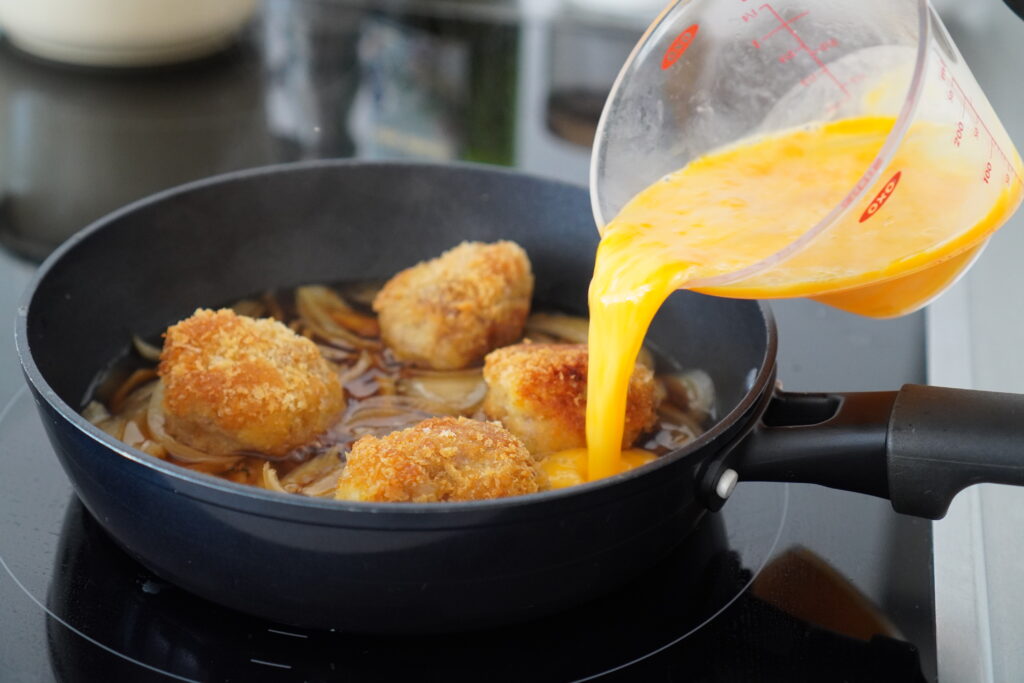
(900, 245)
(383, 395)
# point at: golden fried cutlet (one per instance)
(440, 459)
(233, 383)
(539, 392)
(449, 312)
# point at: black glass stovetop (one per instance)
(737, 600)
(787, 583)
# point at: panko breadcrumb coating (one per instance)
(449, 312)
(439, 459)
(233, 383)
(539, 392)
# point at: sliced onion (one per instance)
(673, 416)
(334, 354)
(568, 328)
(326, 314)
(270, 480)
(326, 485)
(114, 426)
(137, 403)
(671, 437)
(134, 381)
(380, 415)
(313, 469)
(361, 366)
(466, 373)
(693, 390)
(250, 308)
(95, 412)
(235, 475)
(153, 448)
(367, 384)
(459, 391)
(133, 434)
(362, 293)
(541, 338)
(390, 406)
(386, 385)
(317, 477)
(145, 349)
(155, 421)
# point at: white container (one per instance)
(123, 32)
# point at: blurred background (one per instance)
(103, 102)
(98, 108)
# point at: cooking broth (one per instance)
(383, 394)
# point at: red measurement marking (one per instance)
(827, 45)
(787, 56)
(987, 175)
(786, 25)
(679, 46)
(881, 198)
(958, 136)
(864, 181)
(977, 118)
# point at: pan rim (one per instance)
(281, 502)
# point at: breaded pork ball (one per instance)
(233, 383)
(440, 459)
(448, 313)
(539, 392)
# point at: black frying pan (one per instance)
(389, 568)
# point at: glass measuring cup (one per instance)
(710, 74)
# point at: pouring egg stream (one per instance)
(901, 244)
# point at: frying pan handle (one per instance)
(943, 440)
(1017, 6)
(918, 447)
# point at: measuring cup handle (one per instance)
(918, 447)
